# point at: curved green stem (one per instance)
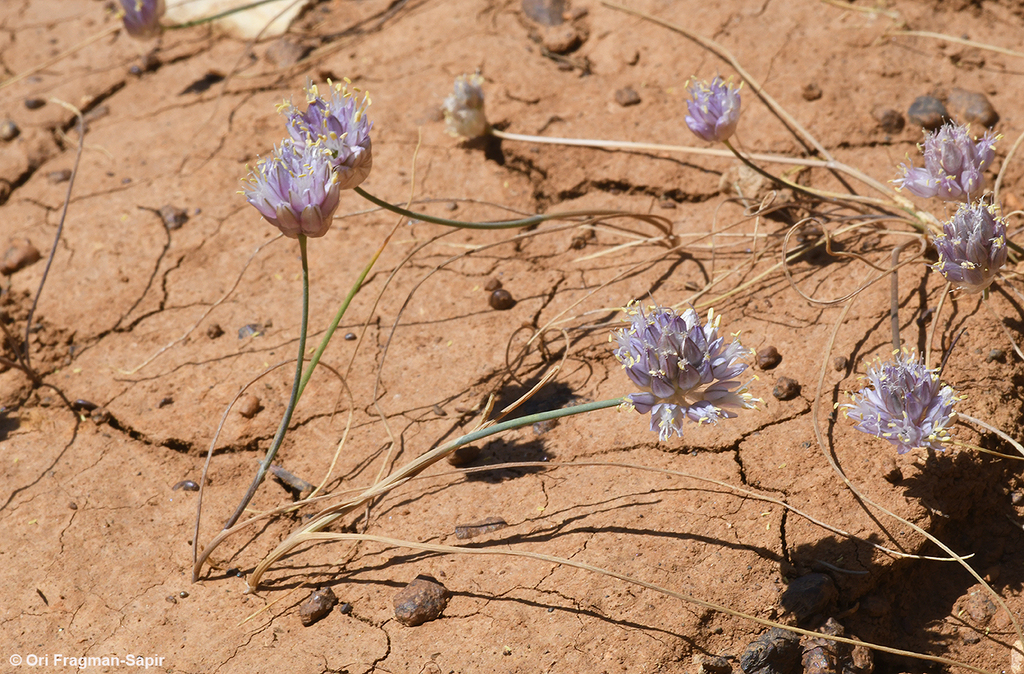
(411, 469)
(501, 224)
(287, 418)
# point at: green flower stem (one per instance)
(500, 224)
(412, 469)
(287, 419)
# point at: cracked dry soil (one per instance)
(96, 552)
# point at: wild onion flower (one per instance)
(464, 107)
(953, 164)
(142, 17)
(905, 405)
(684, 369)
(339, 124)
(972, 248)
(296, 189)
(714, 109)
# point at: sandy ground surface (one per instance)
(96, 555)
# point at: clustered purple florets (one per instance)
(906, 404)
(297, 189)
(714, 109)
(684, 369)
(953, 164)
(142, 17)
(973, 247)
(339, 123)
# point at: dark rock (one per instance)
(165, 402)
(627, 96)
(317, 605)
(173, 217)
(970, 107)
(890, 121)
(34, 103)
(502, 300)
(422, 600)
(213, 330)
(350, 337)
(996, 354)
(786, 388)
(345, 609)
(839, 363)
(980, 606)
(927, 112)
(561, 39)
(808, 595)
(546, 12)
(811, 92)
(774, 652)
(484, 526)
(57, 177)
(284, 53)
(171, 599)
(187, 485)
(463, 456)
(492, 285)
(712, 664)
(8, 130)
(768, 358)
(20, 255)
(249, 405)
(100, 416)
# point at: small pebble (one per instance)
(452, 206)
(183, 594)
(627, 96)
(34, 103)
(463, 456)
(186, 485)
(57, 177)
(284, 53)
(979, 606)
(474, 529)
(317, 605)
(546, 12)
(492, 285)
(350, 336)
(171, 599)
(1017, 497)
(786, 389)
(768, 358)
(174, 217)
(811, 92)
(249, 405)
(213, 330)
(561, 39)
(73, 506)
(542, 427)
(970, 107)
(890, 121)
(19, 256)
(808, 595)
(501, 300)
(345, 609)
(164, 402)
(839, 363)
(712, 664)
(100, 415)
(422, 600)
(996, 354)
(250, 330)
(8, 130)
(777, 651)
(84, 405)
(927, 112)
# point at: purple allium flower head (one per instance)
(464, 107)
(953, 164)
(905, 405)
(296, 189)
(684, 369)
(714, 109)
(142, 17)
(338, 123)
(972, 248)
